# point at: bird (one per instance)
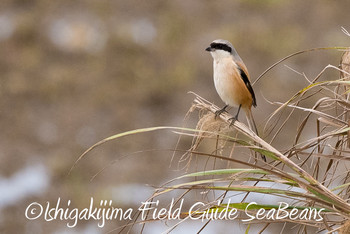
(232, 81)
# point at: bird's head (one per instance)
(220, 49)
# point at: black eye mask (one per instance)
(220, 46)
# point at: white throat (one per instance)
(220, 54)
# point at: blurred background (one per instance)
(75, 72)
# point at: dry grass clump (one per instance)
(345, 229)
(314, 170)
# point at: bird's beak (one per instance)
(208, 49)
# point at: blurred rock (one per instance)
(7, 26)
(78, 33)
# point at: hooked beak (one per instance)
(209, 49)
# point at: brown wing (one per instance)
(245, 77)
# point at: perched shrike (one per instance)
(231, 79)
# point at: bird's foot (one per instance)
(219, 112)
(233, 120)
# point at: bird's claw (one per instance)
(233, 120)
(219, 112)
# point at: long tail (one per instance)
(252, 125)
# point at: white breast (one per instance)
(223, 81)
